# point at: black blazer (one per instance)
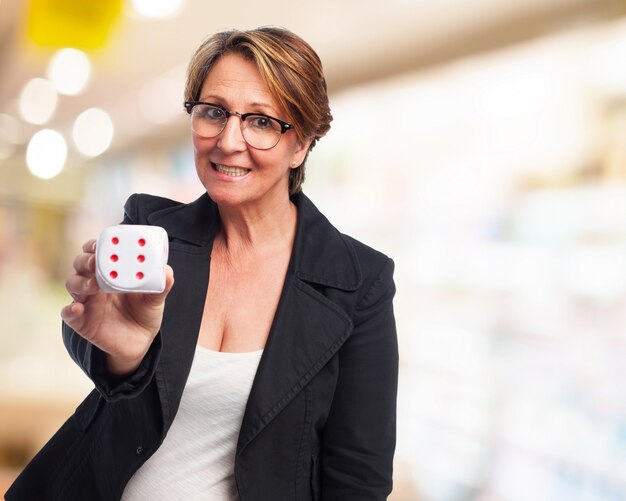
(320, 418)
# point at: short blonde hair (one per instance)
(291, 69)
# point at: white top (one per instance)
(196, 460)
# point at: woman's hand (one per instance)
(121, 325)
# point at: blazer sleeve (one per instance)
(360, 433)
(92, 360)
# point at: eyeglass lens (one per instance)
(259, 131)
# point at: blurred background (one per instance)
(481, 144)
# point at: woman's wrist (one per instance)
(118, 367)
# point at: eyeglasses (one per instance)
(262, 132)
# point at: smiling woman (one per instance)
(269, 369)
(290, 71)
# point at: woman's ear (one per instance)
(302, 148)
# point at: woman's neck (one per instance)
(246, 229)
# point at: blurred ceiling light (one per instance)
(69, 70)
(157, 9)
(46, 154)
(38, 100)
(93, 132)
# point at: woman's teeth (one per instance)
(231, 171)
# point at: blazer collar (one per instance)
(195, 223)
(321, 254)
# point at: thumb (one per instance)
(169, 280)
(158, 299)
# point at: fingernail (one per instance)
(87, 284)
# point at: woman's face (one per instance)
(234, 173)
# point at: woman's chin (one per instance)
(225, 197)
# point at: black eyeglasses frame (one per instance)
(284, 126)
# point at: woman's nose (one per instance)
(231, 138)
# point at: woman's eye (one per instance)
(213, 114)
(261, 122)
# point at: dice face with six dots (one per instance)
(132, 258)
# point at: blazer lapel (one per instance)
(308, 327)
(191, 229)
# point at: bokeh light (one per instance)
(69, 70)
(157, 9)
(38, 101)
(46, 154)
(93, 132)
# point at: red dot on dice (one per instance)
(139, 275)
(115, 240)
(114, 258)
(141, 258)
(141, 242)
(113, 274)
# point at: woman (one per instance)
(268, 370)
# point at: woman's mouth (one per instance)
(230, 171)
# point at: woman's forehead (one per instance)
(235, 79)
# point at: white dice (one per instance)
(132, 258)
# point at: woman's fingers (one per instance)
(83, 283)
(72, 313)
(90, 246)
(81, 287)
(85, 263)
